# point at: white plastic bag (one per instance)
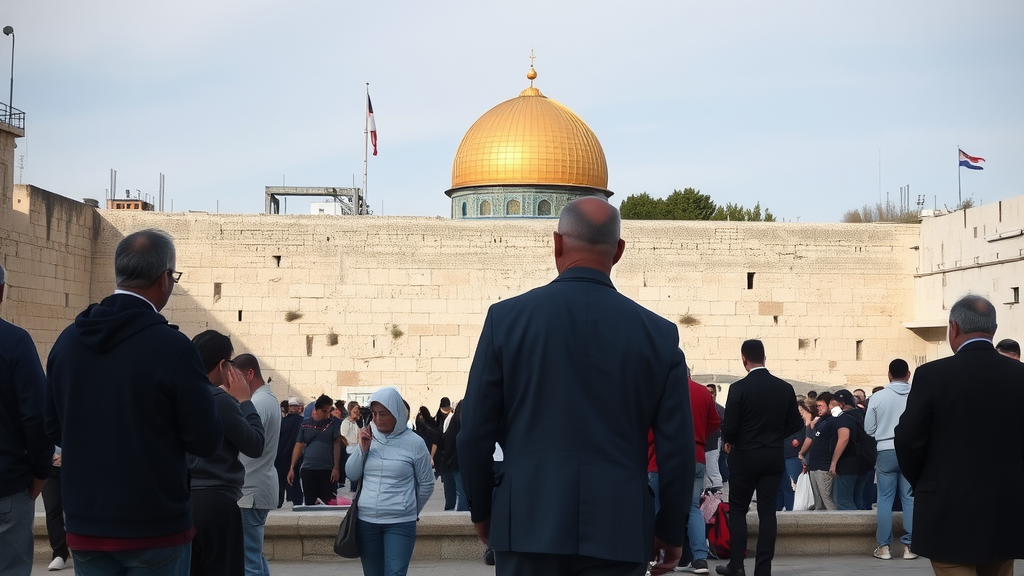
(804, 498)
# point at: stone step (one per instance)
(309, 536)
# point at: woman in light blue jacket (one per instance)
(397, 481)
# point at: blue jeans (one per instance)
(695, 523)
(784, 501)
(889, 481)
(172, 561)
(253, 520)
(461, 503)
(652, 481)
(848, 490)
(17, 512)
(386, 549)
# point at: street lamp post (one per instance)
(9, 31)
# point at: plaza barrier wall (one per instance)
(309, 536)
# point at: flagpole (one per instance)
(959, 195)
(366, 137)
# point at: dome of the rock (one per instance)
(525, 157)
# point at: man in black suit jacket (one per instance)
(968, 502)
(574, 497)
(759, 414)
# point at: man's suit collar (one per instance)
(584, 274)
(976, 344)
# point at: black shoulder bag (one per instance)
(346, 543)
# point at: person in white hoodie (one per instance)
(397, 479)
(883, 414)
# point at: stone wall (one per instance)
(346, 305)
(46, 246)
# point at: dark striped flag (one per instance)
(373, 125)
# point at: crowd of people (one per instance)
(158, 454)
(211, 451)
(576, 344)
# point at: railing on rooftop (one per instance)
(12, 116)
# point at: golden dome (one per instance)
(530, 139)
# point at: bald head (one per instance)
(590, 220)
(588, 235)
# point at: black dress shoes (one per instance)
(730, 571)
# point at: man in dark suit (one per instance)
(759, 414)
(566, 353)
(968, 503)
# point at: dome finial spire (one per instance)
(532, 74)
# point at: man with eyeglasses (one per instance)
(319, 443)
(122, 357)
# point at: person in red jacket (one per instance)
(705, 423)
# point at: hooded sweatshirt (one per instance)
(25, 451)
(127, 397)
(397, 479)
(884, 411)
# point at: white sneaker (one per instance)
(907, 554)
(882, 552)
(57, 564)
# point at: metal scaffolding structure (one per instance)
(344, 196)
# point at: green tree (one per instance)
(642, 207)
(688, 204)
(737, 213)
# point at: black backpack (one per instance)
(864, 446)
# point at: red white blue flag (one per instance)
(373, 125)
(968, 161)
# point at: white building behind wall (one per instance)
(974, 251)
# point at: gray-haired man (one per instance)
(960, 530)
(122, 358)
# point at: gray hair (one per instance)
(141, 257)
(972, 314)
(3, 275)
(587, 227)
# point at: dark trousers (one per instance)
(341, 477)
(869, 491)
(751, 470)
(448, 483)
(54, 507)
(520, 563)
(317, 484)
(217, 549)
(282, 484)
(293, 492)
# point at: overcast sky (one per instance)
(786, 103)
